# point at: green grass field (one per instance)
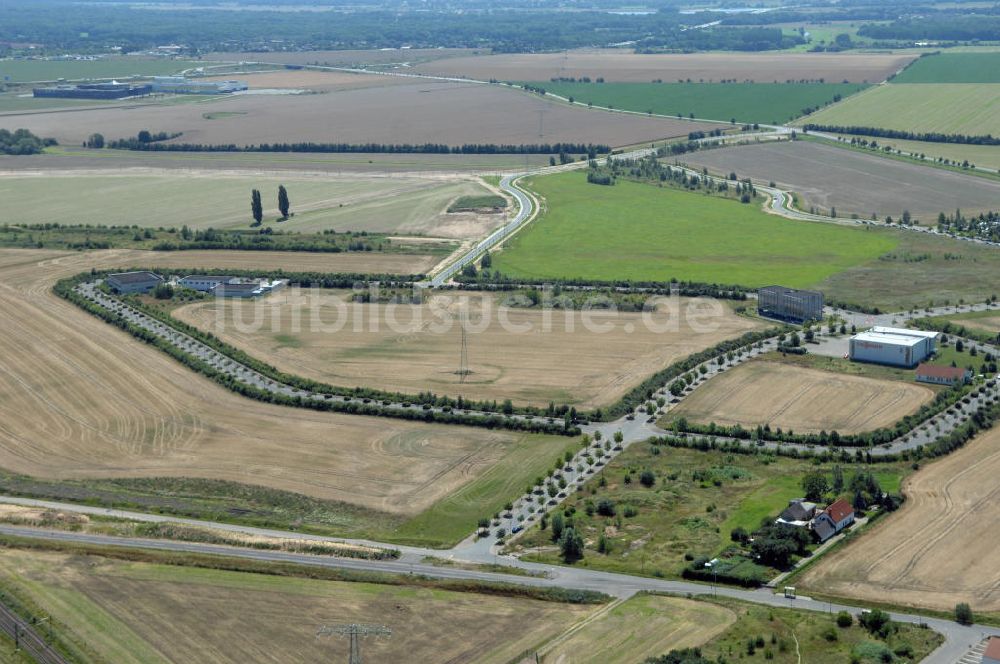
(986, 156)
(643, 232)
(744, 102)
(51, 70)
(920, 270)
(409, 206)
(953, 68)
(697, 500)
(454, 517)
(920, 107)
(784, 636)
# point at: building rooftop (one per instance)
(839, 510)
(209, 277)
(237, 288)
(891, 339)
(993, 648)
(134, 277)
(785, 289)
(922, 334)
(937, 371)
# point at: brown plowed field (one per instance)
(800, 399)
(854, 182)
(939, 549)
(623, 66)
(413, 348)
(421, 112)
(79, 399)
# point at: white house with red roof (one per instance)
(992, 653)
(938, 375)
(833, 519)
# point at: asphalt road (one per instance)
(958, 638)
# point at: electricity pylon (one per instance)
(355, 632)
(463, 361)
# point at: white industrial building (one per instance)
(205, 282)
(894, 346)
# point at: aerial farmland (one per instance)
(506, 333)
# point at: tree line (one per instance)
(900, 134)
(22, 142)
(366, 148)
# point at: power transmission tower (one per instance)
(355, 632)
(463, 362)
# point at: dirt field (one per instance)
(311, 80)
(803, 400)
(417, 347)
(854, 182)
(985, 323)
(644, 626)
(937, 551)
(421, 112)
(415, 205)
(80, 399)
(344, 58)
(302, 261)
(617, 65)
(75, 159)
(141, 613)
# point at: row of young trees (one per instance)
(900, 134)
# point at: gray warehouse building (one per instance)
(893, 346)
(133, 282)
(113, 90)
(789, 304)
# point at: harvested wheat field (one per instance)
(800, 399)
(294, 261)
(81, 399)
(938, 549)
(644, 626)
(317, 81)
(147, 613)
(512, 352)
(199, 198)
(620, 66)
(418, 113)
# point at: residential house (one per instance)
(833, 519)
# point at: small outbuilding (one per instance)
(937, 375)
(798, 513)
(133, 282)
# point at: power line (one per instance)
(355, 632)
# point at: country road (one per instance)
(958, 638)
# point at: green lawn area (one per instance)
(644, 232)
(953, 68)
(744, 102)
(920, 270)
(950, 108)
(454, 517)
(785, 636)
(114, 66)
(698, 498)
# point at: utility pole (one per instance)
(355, 632)
(463, 362)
